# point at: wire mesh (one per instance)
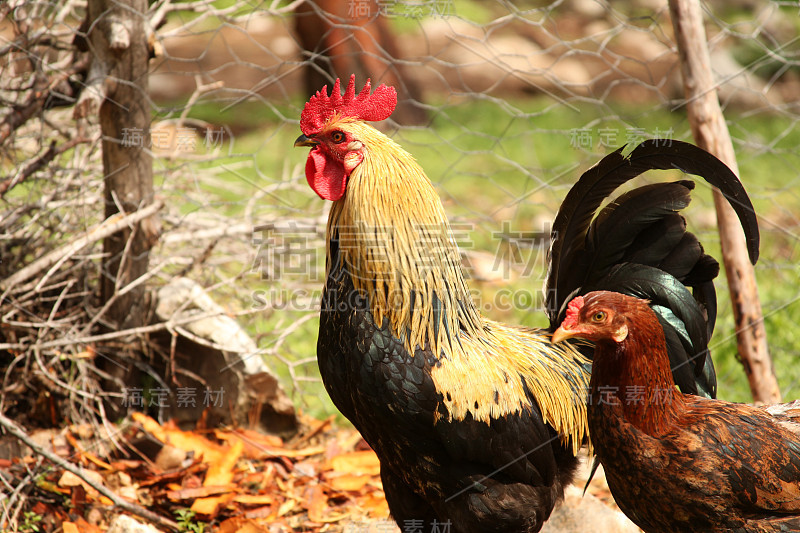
(503, 104)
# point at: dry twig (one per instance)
(123, 504)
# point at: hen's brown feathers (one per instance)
(678, 462)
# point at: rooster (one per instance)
(476, 423)
(677, 462)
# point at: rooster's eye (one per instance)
(599, 316)
(337, 136)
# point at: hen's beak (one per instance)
(562, 334)
(305, 141)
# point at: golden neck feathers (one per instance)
(396, 243)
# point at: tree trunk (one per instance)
(353, 37)
(118, 82)
(711, 133)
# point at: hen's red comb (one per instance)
(373, 107)
(573, 309)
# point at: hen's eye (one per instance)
(337, 136)
(599, 316)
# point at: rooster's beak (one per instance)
(561, 334)
(305, 141)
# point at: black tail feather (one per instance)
(638, 245)
(658, 240)
(706, 296)
(614, 231)
(684, 257)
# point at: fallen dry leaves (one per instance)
(224, 480)
(230, 480)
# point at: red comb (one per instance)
(573, 308)
(373, 107)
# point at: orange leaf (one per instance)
(87, 455)
(86, 527)
(200, 492)
(255, 443)
(209, 507)
(238, 524)
(265, 512)
(183, 440)
(317, 504)
(349, 482)
(286, 506)
(364, 462)
(254, 499)
(69, 527)
(270, 451)
(375, 504)
(220, 472)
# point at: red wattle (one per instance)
(325, 175)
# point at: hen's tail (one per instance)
(638, 245)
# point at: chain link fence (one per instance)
(503, 104)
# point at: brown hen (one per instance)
(677, 462)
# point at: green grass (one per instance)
(513, 162)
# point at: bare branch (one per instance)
(106, 228)
(123, 504)
(44, 90)
(41, 161)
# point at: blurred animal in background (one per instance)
(477, 423)
(678, 462)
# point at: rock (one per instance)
(170, 457)
(126, 524)
(739, 87)
(587, 514)
(474, 59)
(234, 379)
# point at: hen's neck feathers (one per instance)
(637, 372)
(397, 244)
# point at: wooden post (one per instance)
(711, 133)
